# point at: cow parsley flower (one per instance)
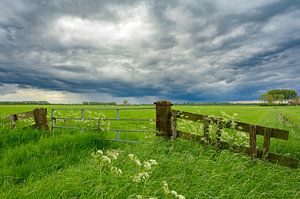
(147, 166)
(166, 187)
(153, 162)
(106, 159)
(116, 170)
(113, 154)
(99, 152)
(141, 177)
(174, 193)
(180, 196)
(137, 162)
(131, 156)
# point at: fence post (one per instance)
(40, 118)
(219, 131)
(53, 121)
(205, 131)
(252, 140)
(267, 139)
(174, 124)
(163, 118)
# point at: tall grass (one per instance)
(35, 164)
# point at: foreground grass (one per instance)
(37, 165)
(62, 166)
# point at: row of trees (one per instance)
(24, 102)
(99, 103)
(278, 96)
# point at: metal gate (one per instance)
(97, 119)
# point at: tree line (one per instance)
(24, 102)
(278, 96)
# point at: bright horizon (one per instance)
(144, 51)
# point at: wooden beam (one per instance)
(272, 157)
(40, 118)
(174, 124)
(218, 139)
(241, 126)
(267, 141)
(205, 131)
(252, 141)
(163, 118)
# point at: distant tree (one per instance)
(287, 93)
(266, 98)
(278, 95)
(125, 102)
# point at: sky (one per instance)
(69, 51)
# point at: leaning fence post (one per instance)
(53, 119)
(173, 124)
(267, 139)
(252, 140)
(219, 131)
(163, 118)
(40, 118)
(205, 130)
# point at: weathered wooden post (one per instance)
(252, 140)
(219, 131)
(13, 119)
(163, 118)
(267, 140)
(40, 118)
(174, 124)
(205, 131)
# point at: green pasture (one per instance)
(37, 164)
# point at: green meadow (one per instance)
(72, 163)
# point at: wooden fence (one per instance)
(39, 115)
(166, 125)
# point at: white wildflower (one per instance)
(166, 187)
(116, 170)
(106, 159)
(139, 197)
(131, 156)
(136, 179)
(99, 152)
(137, 162)
(120, 171)
(141, 177)
(153, 162)
(180, 196)
(113, 154)
(174, 193)
(147, 166)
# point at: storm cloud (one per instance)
(187, 50)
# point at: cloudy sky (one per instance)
(184, 50)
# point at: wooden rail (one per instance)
(39, 115)
(240, 126)
(253, 130)
(166, 125)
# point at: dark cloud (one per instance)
(181, 50)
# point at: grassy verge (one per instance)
(188, 169)
(37, 165)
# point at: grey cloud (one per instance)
(194, 50)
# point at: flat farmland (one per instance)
(66, 164)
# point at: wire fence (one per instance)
(107, 120)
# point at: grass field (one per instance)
(35, 164)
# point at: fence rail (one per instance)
(253, 130)
(82, 117)
(240, 126)
(167, 126)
